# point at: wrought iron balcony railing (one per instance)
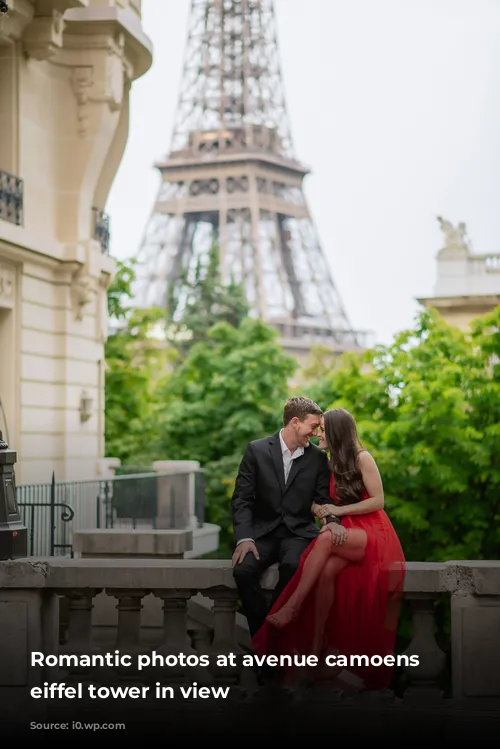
(101, 229)
(11, 198)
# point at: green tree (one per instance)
(428, 408)
(120, 291)
(136, 360)
(207, 302)
(228, 391)
(319, 364)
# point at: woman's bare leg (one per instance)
(324, 597)
(351, 551)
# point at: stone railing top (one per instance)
(456, 577)
(479, 577)
(128, 543)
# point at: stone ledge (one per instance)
(126, 543)
(421, 577)
(200, 574)
(24, 573)
(475, 577)
(115, 572)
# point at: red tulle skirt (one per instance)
(363, 618)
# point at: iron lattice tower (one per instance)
(232, 178)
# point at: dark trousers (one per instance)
(280, 546)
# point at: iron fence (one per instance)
(53, 512)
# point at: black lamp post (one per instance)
(13, 534)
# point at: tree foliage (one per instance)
(228, 391)
(135, 362)
(428, 408)
(207, 302)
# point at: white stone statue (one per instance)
(455, 237)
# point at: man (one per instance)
(278, 480)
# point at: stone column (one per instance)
(80, 605)
(224, 643)
(175, 640)
(475, 631)
(176, 493)
(128, 641)
(424, 678)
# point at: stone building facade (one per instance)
(66, 71)
(467, 283)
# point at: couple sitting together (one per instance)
(339, 586)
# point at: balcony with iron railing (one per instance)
(100, 229)
(11, 198)
(12, 209)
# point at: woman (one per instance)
(344, 598)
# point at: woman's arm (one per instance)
(373, 485)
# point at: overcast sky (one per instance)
(394, 105)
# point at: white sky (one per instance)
(395, 106)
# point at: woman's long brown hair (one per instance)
(343, 442)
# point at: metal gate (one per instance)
(52, 512)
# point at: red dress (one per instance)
(363, 619)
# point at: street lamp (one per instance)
(13, 534)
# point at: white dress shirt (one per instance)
(288, 459)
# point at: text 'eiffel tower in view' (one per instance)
(231, 178)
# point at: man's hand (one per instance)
(242, 550)
(321, 511)
(339, 533)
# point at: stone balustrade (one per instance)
(468, 274)
(47, 606)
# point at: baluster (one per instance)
(128, 637)
(432, 660)
(50, 619)
(80, 605)
(224, 638)
(175, 638)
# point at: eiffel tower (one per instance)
(232, 179)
